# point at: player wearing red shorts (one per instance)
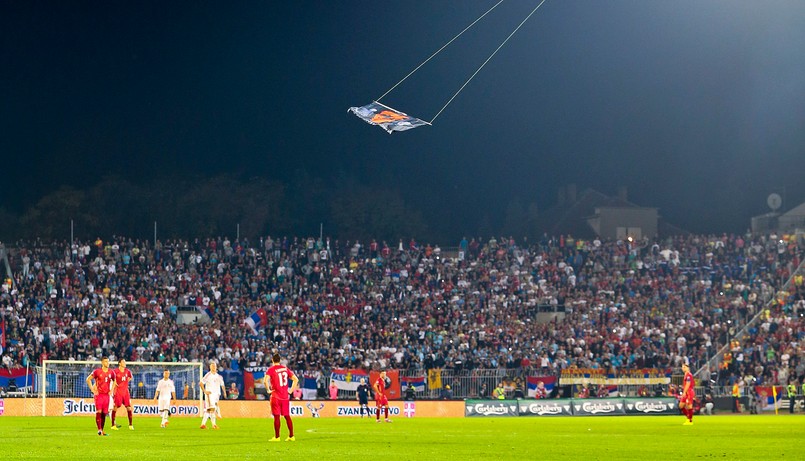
(276, 381)
(122, 376)
(688, 393)
(103, 384)
(381, 401)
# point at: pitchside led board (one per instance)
(234, 408)
(571, 407)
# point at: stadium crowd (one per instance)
(407, 305)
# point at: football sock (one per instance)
(130, 415)
(386, 411)
(103, 420)
(213, 418)
(114, 413)
(276, 426)
(98, 421)
(206, 417)
(289, 423)
(377, 411)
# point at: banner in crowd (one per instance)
(348, 379)
(253, 387)
(258, 319)
(643, 376)
(435, 378)
(540, 386)
(2, 335)
(206, 310)
(309, 382)
(608, 391)
(22, 380)
(417, 381)
(770, 396)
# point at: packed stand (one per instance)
(345, 304)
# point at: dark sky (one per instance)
(698, 106)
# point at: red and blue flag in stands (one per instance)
(417, 381)
(2, 335)
(257, 320)
(533, 383)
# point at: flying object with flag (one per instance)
(393, 120)
(387, 118)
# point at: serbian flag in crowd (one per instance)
(607, 391)
(257, 320)
(417, 381)
(2, 335)
(253, 383)
(348, 379)
(534, 388)
(206, 310)
(309, 385)
(21, 378)
(770, 396)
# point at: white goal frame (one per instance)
(43, 384)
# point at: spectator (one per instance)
(483, 391)
(333, 390)
(408, 310)
(709, 404)
(232, 392)
(410, 393)
(499, 392)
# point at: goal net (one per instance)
(68, 380)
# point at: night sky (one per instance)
(697, 106)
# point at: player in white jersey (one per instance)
(212, 385)
(165, 391)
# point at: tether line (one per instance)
(487, 60)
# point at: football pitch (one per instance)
(598, 437)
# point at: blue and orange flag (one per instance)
(387, 118)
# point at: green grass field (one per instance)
(585, 438)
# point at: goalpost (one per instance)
(67, 379)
